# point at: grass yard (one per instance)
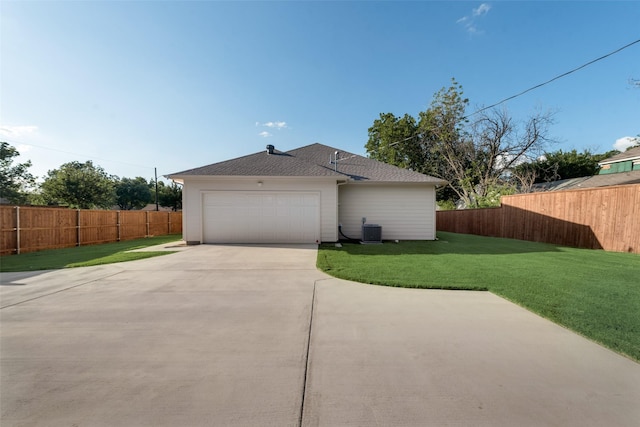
(592, 292)
(83, 256)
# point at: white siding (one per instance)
(405, 212)
(194, 187)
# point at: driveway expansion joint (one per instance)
(306, 364)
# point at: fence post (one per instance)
(118, 224)
(168, 222)
(147, 224)
(78, 228)
(17, 229)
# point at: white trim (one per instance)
(626, 159)
(192, 206)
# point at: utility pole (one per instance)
(155, 172)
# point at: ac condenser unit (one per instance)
(371, 233)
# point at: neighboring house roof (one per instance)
(152, 207)
(632, 177)
(149, 207)
(315, 160)
(630, 154)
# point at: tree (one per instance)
(133, 193)
(553, 166)
(523, 176)
(170, 196)
(410, 143)
(385, 137)
(79, 185)
(474, 157)
(479, 157)
(15, 179)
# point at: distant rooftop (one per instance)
(630, 154)
(621, 178)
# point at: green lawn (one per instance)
(83, 256)
(592, 292)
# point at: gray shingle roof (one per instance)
(632, 153)
(261, 164)
(622, 178)
(310, 161)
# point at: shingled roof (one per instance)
(315, 160)
(630, 154)
(621, 178)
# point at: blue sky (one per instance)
(134, 85)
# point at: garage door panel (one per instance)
(261, 217)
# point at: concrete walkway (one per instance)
(220, 335)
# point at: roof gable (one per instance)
(315, 160)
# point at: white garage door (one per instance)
(260, 217)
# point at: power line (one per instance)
(553, 79)
(537, 86)
(402, 140)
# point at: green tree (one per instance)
(79, 186)
(386, 136)
(412, 143)
(475, 157)
(491, 198)
(444, 142)
(556, 165)
(15, 178)
(133, 193)
(170, 196)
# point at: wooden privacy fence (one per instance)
(597, 218)
(29, 229)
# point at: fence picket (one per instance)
(596, 218)
(28, 229)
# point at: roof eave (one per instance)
(378, 182)
(627, 159)
(232, 177)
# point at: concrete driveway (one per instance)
(256, 336)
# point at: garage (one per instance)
(260, 217)
(293, 197)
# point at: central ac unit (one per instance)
(371, 233)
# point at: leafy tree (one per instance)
(474, 157)
(553, 166)
(14, 178)
(446, 205)
(170, 196)
(79, 185)
(133, 193)
(36, 198)
(385, 136)
(491, 198)
(444, 142)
